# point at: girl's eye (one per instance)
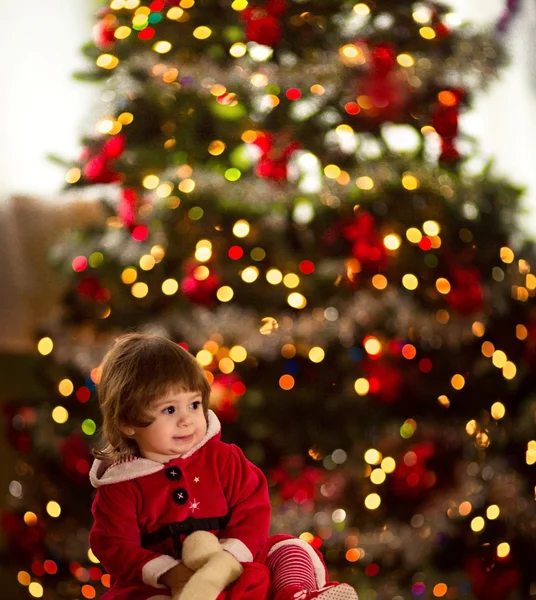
(169, 410)
(195, 405)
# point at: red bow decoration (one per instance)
(276, 153)
(367, 245)
(445, 122)
(98, 169)
(262, 23)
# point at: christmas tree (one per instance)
(285, 192)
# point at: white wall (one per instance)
(43, 109)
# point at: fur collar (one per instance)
(106, 472)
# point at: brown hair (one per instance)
(138, 370)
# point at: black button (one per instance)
(173, 473)
(180, 495)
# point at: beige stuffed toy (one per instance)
(206, 568)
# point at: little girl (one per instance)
(163, 473)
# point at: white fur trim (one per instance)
(238, 549)
(105, 472)
(320, 570)
(213, 428)
(155, 568)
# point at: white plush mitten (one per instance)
(214, 568)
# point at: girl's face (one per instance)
(179, 424)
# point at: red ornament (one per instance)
(98, 169)
(103, 31)
(200, 291)
(276, 153)
(76, 458)
(466, 295)
(385, 85)
(445, 122)
(411, 476)
(367, 244)
(295, 481)
(262, 22)
(89, 287)
(494, 581)
(384, 379)
(225, 391)
(127, 206)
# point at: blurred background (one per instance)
(436, 352)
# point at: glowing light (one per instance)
(478, 329)
(35, 589)
(373, 501)
(362, 386)
(507, 255)
(316, 354)
(392, 241)
(53, 509)
(226, 365)
(457, 382)
(405, 60)
(478, 524)
(499, 359)
(66, 387)
(187, 186)
(378, 476)
(216, 147)
(250, 274)
(443, 285)
(353, 555)
(286, 382)
(269, 326)
(493, 512)
(204, 358)
(332, 171)
(274, 276)
(202, 33)
(203, 253)
(30, 519)
(139, 290)
(410, 282)
(24, 578)
(45, 346)
(509, 370)
(431, 228)
(162, 47)
(241, 228)
(92, 557)
(373, 456)
(488, 349)
(225, 293)
(498, 410)
(170, 287)
(73, 175)
(503, 550)
(60, 414)
(129, 275)
(388, 464)
(238, 50)
(297, 300)
(410, 182)
(291, 280)
(107, 61)
(150, 182)
(364, 183)
(444, 400)
(361, 9)
(238, 353)
(414, 235)
(409, 351)
(379, 281)
(89, 426)
(372, 345)
(440, 590)
(147, 262)
(465, 508)
(427, 33)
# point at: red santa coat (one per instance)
(143, 510)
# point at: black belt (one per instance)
(173, 530)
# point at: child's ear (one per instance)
(127, 430)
